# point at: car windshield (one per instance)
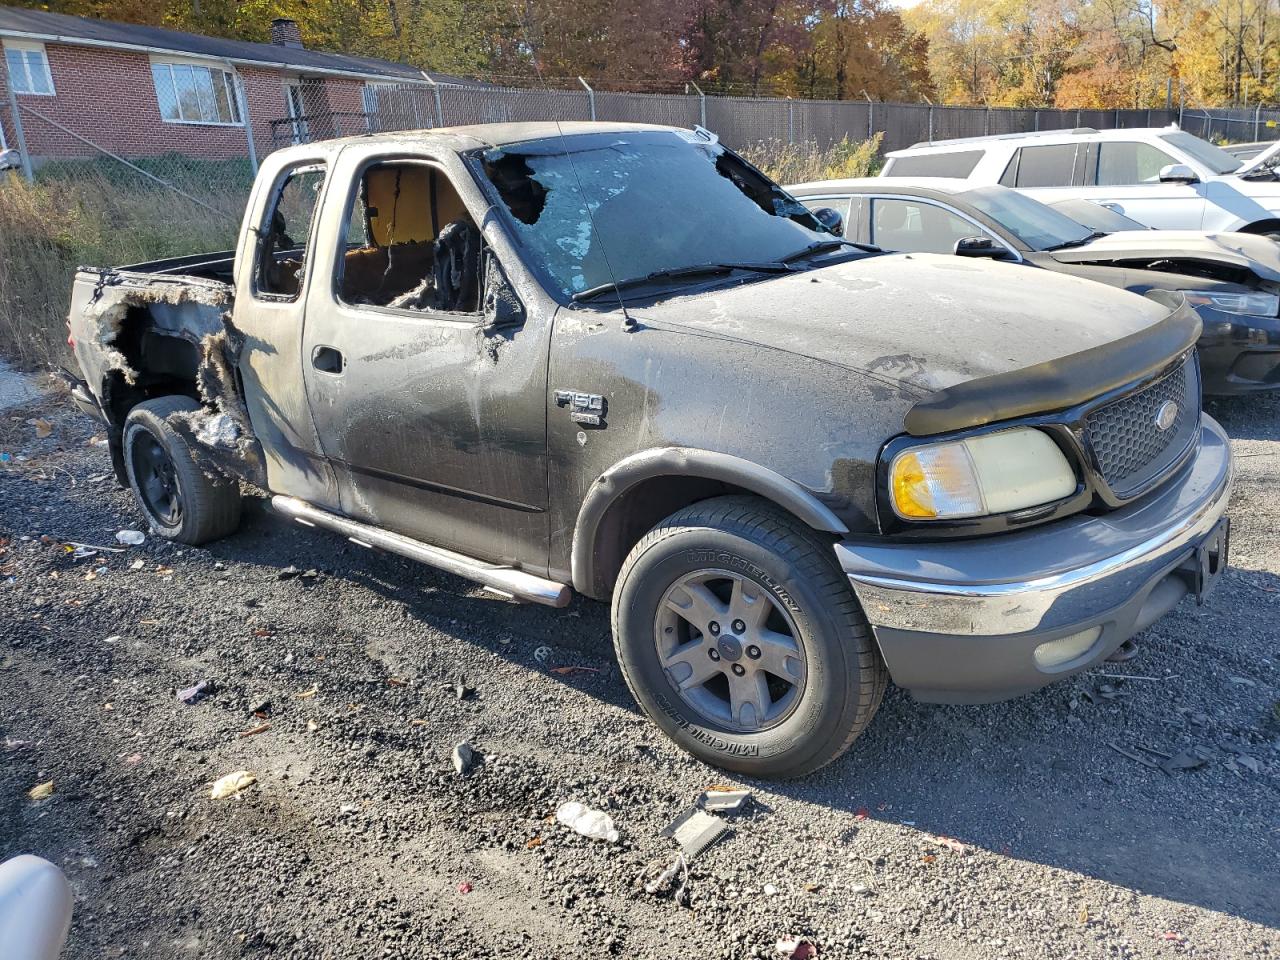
(594, 209)
(1037, 225)
(1096, 216)
(1214, 158)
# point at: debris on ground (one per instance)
(1189, 758)
(464, 758)
(565, 671)
(581, 819)
(950, 843)
(194, 694)
(133, 538)
(41, 790)
(797, 948)
(231, 784)
(542, 654)
(254, 731)
(462, 691)
(770, 890)
(723, 799)
(349, 808)
(1136, 757)
(43, 427)
(695, 830)
(465, 888)
(260, 708)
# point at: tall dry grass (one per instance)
(89, 213)
(803, 162)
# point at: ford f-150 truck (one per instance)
(618, 359)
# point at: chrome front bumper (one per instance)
(961, 620)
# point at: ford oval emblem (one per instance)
(1166, 415)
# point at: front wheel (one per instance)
(739, 636)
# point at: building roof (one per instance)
(60, 28)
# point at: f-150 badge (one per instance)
(584, 408)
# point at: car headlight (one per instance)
(991, 473)
(1248, 304)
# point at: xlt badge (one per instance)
(584, 408)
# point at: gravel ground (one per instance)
(360, 840)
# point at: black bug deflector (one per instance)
(1061, 383)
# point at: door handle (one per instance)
(328, 360)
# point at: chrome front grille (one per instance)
(1131, 450)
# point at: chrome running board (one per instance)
(504, 581)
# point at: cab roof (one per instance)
(476, 136)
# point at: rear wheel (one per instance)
(180, 500)
(739, 636)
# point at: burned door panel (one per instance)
(434, 422)
(272, 275)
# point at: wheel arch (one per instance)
(636, 493)
(1262, 226)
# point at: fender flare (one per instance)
(614, 483)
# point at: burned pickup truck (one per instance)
(618, 359)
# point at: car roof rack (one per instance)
(1024, 135)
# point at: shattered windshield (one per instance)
(659, 201)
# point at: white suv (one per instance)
(1163, 177)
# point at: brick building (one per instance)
(140, 91)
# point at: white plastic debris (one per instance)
(219, 430)
(580, 818)
(133, 538)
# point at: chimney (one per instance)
(285, 33)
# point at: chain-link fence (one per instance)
(214, 175)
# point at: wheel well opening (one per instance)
(637, 512)
(1262, 226)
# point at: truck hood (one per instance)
(1260, 255)
(928, 321)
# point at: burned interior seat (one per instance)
(412, 243)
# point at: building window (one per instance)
(190, 93)
(28, 68)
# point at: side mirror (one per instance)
(979, 247)
(502, 308)
(830, 218)
(1178, 173)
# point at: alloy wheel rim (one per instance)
(157, 481)
(730, 650)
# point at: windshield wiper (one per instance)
(1066, 244)
(682, 273)
(827, 246)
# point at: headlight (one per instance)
(992, 473)
(1248, 304)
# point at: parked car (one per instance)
(1232, 279)
(1163, 177)
(620, 359)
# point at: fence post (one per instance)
(591, 96)
(791, 120)
(1117, 119)
(1077, 117)
(702, 104)
(871, 112)
(238, 83)
(1035, 121)
(21, 137)
(986, 121)
(930, 103)
(436, 88)
(1257, 120)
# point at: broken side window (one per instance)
(411, 245)
(286, 231)
(648, 201)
